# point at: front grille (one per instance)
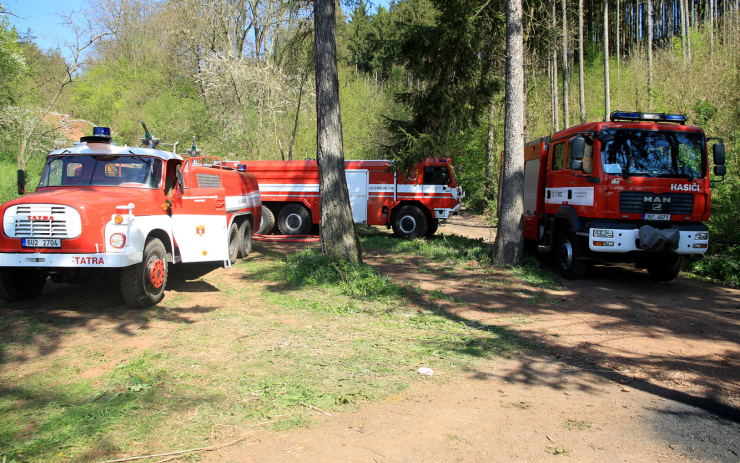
(640, 202)
(41, 221)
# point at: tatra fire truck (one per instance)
(101, 208)
(414, 203)
(635, 188)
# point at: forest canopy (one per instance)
(418, 78)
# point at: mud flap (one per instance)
(655, 240)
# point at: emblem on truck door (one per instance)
(200, 230)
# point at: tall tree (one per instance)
(607, 96)
(337, 230)
(508, 245)
(581, 79)
(566, 69)
(650, 53)
(554, 74)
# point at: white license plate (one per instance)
(656, 217)
(41, 243)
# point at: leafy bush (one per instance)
(312, 268)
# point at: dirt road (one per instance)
(626, 369)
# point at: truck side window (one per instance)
(558, 156)
(436, 175)
(588, 158)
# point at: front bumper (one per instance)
(54, 260)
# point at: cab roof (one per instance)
(83, 148)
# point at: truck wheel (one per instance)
(432, 228)
(268, 221)
(142, 284)
(294, 219)
(410, 222)
(569, 254)
(234, 243)
(245, 235)
(18, 284)
(664, 267)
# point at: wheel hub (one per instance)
(407, 224)
(156, 273)
(566, 254)
(294, 222)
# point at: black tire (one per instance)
(245, 239)
(19, 284)
(410, 222)
(432, 228)
(234, 242)
(664, 267)
(267, 223)
(143, 284)
(569, 256)
(294, 219)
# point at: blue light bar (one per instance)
(101, 131)
(636, 116)
(241, 168)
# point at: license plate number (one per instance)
(656, 217)
(41, 243)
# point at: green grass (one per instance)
(287, 340)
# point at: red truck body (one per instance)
(639, 191)
(103, 207)
(414, 204)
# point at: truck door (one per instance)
(562, 186)
(199, 214)
(357, 183)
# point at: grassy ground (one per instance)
(267, 343)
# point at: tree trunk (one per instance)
(566, 69)
(650, 53)
(556, 104)
(491, 170)
(581, 82)
(607, 96)
(508, 245)
(337, 230)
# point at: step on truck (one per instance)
(414, 204)
(635, 188)
(103, 209)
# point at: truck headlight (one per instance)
(118, 240)
(603, 234)
(701, 236)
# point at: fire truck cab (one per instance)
(635, 188)
(101, 208)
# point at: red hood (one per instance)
(100, 200)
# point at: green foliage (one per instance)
(313, 268)
(449, 248)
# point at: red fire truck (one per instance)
(102, 208)
(635, 188)
(414, 204)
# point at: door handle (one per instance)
(220, 204)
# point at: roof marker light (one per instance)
(101, 131)
(637, 116)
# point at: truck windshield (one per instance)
(102, 170)
(651, 153)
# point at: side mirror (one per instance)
(577, 146)
(180, 181)
(718, 150)
(576, 164)
(720, 171)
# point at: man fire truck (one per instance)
(101, 208)
(414, 204)
(635, 188)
